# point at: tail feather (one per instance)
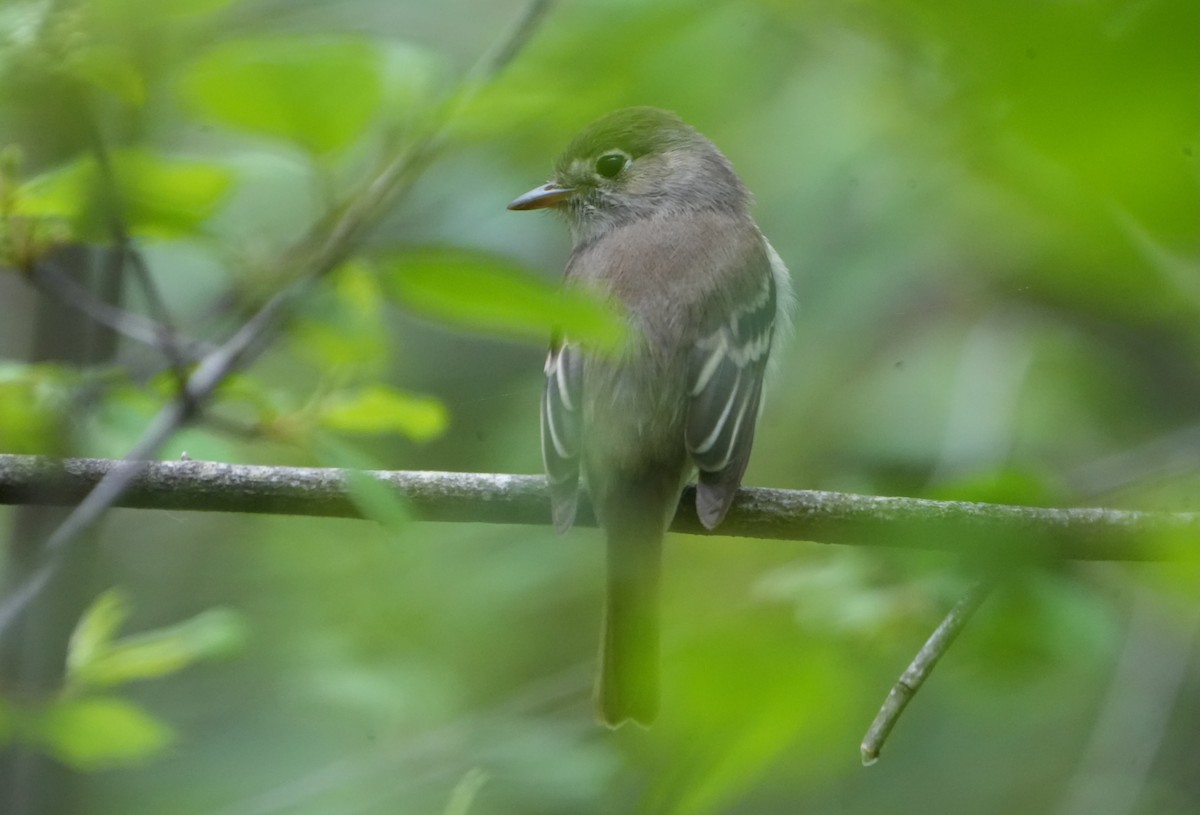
(627, 684)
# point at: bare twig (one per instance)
(128, 256)
(507, 49)
(919, 669)
(53, 282)
(980, 530)
(321, 250)
(167, 332)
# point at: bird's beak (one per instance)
(549, 194)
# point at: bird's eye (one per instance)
(609, 164)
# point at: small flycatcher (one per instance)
(660, 222)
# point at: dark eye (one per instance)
(609, 164)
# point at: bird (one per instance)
(660, 225)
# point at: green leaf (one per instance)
(374, 497)
(383, 409)
(98, 732)
(95, 631)
(33, 402)
(110, 68)
(343, 324)
(490, 294)
(376, 500)
(319, 93)
(156, 196)
(211, 634)
(409, 77)
(465, 791)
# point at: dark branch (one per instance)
(983, 530)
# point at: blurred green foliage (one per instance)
(90, 731)
(157, 197)
(318, 94)
(992, 213)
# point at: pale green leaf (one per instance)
(98, 732)
(319, 93)
(110, 68)
(155, 195)
(376, 500)
(377, 409)
(409, 74)
(343, 324)
(373, 497)
(465, 791)
(209, 635)
(96, 630)
(34, 400)
(490, 294)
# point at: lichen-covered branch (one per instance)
(955, 526)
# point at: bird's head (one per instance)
(635, 163)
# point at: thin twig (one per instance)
(130, 257)
(507, 49)
(167, 332)
(919, 669)
(52, 281)
(315, 255)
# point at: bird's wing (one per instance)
(561, 428)
(726, 378)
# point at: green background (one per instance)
(992, 215)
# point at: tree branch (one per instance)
(918, 670)
(51, 281)
(982, 530)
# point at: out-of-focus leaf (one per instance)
(490, 294)
(212, 634)
(25, 426)
(383, 409)
(110, 68)
(98, 732)
(343, 325)
(318, 93)
(374, 498)
(95, 631)
(465, 791)
(409, 76)
(156, 196)
(33, 399)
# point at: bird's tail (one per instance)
(627, 684)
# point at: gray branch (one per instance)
(918, 671)
(981, 530)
